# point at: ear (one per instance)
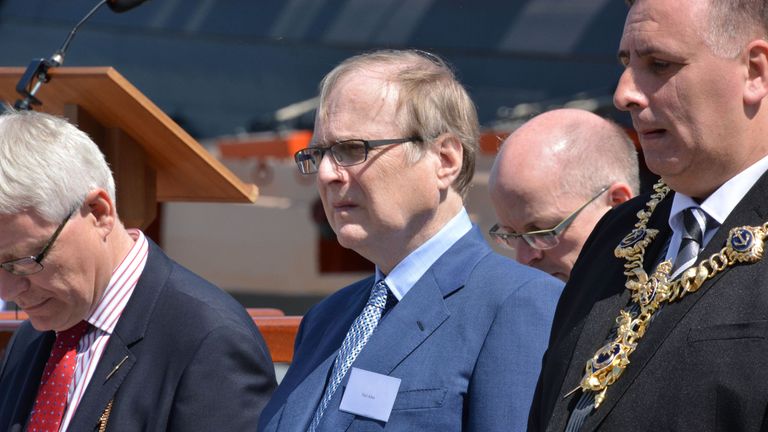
(451, 156)
(100, 207)
(756, 86)
(618, 193)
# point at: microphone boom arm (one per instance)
(37, 72)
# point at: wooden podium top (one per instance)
(185, 170)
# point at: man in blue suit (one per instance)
(447, 335)
(119, 336)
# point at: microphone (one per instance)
(37, 72)
(120, 6)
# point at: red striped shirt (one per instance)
(103, 320)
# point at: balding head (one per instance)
(550, 167)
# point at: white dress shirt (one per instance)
(717, 206)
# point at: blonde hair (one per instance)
(431, 101)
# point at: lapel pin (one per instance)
(114, 369)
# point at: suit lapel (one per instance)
(750, 211)
(414, 319)
(113, 368)
(118, 360)
(601, 319)
(424, 303)
(423, 309)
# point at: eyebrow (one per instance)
(14, 253)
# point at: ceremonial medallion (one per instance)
(635, 242)
(744, 244)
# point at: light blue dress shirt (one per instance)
(408, 271)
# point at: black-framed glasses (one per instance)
(540, 239)
(345, 153)
(33, 264)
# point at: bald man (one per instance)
(553, 179)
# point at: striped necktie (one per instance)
(693, 238)
(354, 341)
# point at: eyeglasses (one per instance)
(541, 239)
(345, 153)
(33, 264)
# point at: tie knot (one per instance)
(379, 293)
(72, 335)
(692, 229)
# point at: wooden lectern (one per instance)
(153, 159)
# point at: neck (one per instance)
(392, 252)
(118, 244)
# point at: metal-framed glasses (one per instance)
(345, 153)
(540, 239)
(33, 264)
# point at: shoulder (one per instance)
(24, 339)
(505, 276)
(185, 300)
(25, 349)
(622, 217)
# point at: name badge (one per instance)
(370, 394)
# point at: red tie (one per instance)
(51, 398)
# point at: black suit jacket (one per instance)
(195, 361)
(703, 363)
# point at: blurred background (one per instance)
(241, 77)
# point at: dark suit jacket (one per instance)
(466, 341)
(703, 363)
(195, 361)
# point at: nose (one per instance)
(525, 254)
(328, 170)
(628, 95)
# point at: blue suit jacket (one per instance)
(466, 342)
(195, 361)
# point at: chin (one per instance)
(350, 237)
(42, 324)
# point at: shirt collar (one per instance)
(408, 271)
(722, 202)
(717, 206)
(121, 285)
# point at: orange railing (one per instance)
(279, 331)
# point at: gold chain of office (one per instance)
(744, 245)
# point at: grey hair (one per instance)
(734, 23)
(731, 24)
(431, 101)
(47, 165)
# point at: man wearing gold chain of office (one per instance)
(664, 322)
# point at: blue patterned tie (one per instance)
(356, 338)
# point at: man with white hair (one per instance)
(119, 336)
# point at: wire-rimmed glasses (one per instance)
(540, 239)
(30, 265)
